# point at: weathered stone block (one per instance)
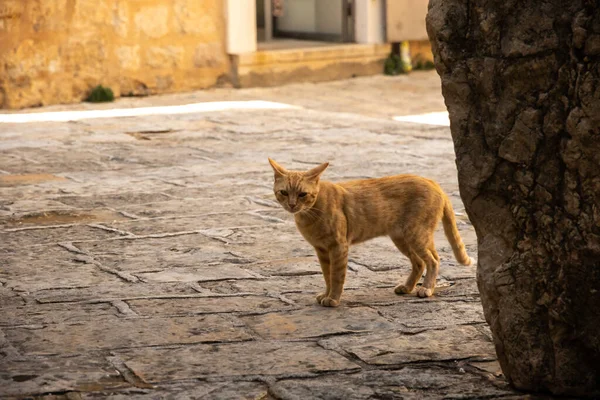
(54, 313)
(89, 15)
(11, 9)
(94, 335)
(234, 359)
(411, 382)
(121, 18)
(55, 375)
(27, 61)
(207, 305)
(164, 57)
(196, 17)
(316, 321)
(153, 21)
(429, 315)
(392, 348)
(47, 16)
(209, 55)
(222, 390)
(129, 57)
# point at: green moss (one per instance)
(100, 94)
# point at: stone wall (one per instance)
(55, 51)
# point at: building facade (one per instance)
(55, 51)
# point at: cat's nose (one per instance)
(292, 205)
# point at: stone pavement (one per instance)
(145, 257)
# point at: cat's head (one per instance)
(296, 191)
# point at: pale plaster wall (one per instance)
(241, 26)
(370, 21)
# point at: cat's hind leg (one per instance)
(432, 261)
(418, 266)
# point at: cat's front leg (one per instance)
(323, 256)
(338, 256)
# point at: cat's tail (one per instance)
(451, 231)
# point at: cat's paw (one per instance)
(321, 297)
(402, 289)
(329, 302)
(424, 292)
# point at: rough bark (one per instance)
(521, 80)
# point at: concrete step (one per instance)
(315, 63)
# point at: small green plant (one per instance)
(394, 65)
(424, 65)
(100, 94)
(421, 64)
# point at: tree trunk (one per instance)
(521, 80)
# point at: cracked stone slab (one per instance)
(293, 266)
(233, 359)
(28, 179)
(115, 333)
(379, 255)
(115, 200)
(46, 236)
(406, 383)
(49, 267)
(32, 376)
(452, 270)
(273, 285)
(205, 305)
(197, 274)
(224, 220)
(195, 206)
(172, 245)
(182, 391)
(317, 321)
(185, 258)
(114, 291)
(257, 187)
(306, 281)
(41, 314)
(9, 298)
(393, 348)
(460, 288)
(284, 242)
(29, 206)
(435, 314)
(62, 217)
(56, 160)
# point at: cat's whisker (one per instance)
(313, 213)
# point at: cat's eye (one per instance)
(283, 192)
(302, 194)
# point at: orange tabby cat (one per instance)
(332, 217)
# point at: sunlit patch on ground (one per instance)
(434, 118)
(63, 116)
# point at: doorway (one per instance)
(306, 20)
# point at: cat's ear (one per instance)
(316, 172)
(279, 170)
